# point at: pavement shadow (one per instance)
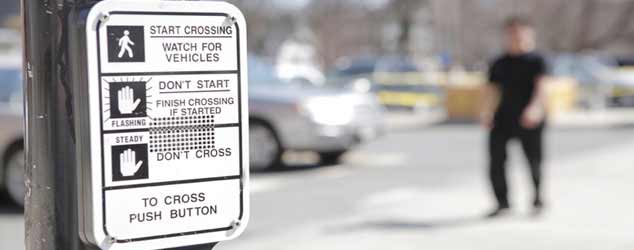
(425, 224)
(8, 207)
(299, 163)
(287, 168)
(457, 121)
(408, 224)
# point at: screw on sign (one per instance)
(168, 87)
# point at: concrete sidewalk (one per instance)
(404, 120)
(590, 207)
(612, 117)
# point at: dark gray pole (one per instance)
(56, 121)
(50, 93)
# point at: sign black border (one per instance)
(239, 125)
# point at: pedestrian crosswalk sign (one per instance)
(168, 153)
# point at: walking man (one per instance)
(124, 43)
(514, 108)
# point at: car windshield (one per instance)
(368, 65)
(396, 65)
(10, 84)
(356, 67)
(262, 73)
(585, 69)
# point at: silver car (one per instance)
(11, 131)
(286, 116)
(283, 117)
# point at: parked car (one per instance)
(283, 117)
(286, 116)
(11, 130)
(593, 74)
(396, 80)
(368, 64)
(622, 83)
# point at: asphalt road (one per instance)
(305, 195)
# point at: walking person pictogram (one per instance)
(124, 44)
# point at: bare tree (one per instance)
(562, 25)
(577, 26)
(345, 28)
(467, 30)
(403, 11)
(267, 25)
(620, 28)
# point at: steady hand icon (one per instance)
(129, 166)
(127, 104)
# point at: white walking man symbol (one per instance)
(124, 43)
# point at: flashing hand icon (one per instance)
(129, 166)
(127, 104)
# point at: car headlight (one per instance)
(333, 111)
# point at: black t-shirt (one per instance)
(516, 76)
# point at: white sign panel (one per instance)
(168, 125)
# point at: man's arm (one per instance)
(490, 99)
(534, 113)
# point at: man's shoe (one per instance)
(538, 208)
(498, 212)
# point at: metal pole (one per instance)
(55, 117)
(51, 197)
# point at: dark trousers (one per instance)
(531, 141)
